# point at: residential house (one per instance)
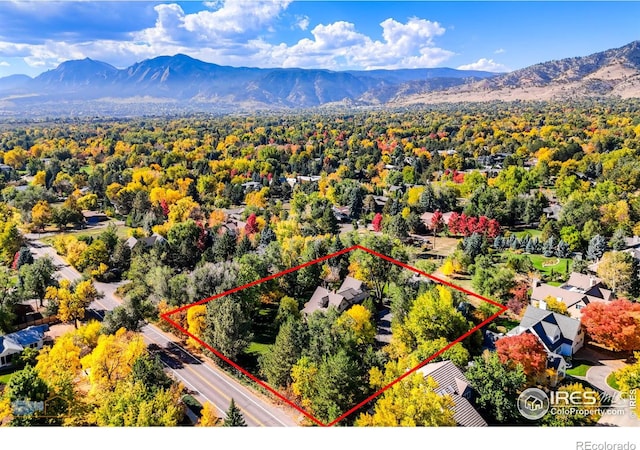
(342, 213)
(451, 381)
(553, 211)
(560, 335)
(576, 293)
(351, 292)
(428, 216)
(94, 217)
(147, 242)
(11, 345)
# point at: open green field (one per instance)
(123, 232)
(563, 265)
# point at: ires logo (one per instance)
(561, 399)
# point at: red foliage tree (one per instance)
(471, 226)
(615, 324)
(377, 222)
(493, 229)
(454, 223)
(436, 221)
(523, 349)
(165, 207)
(519, 298)
(482, 226)
(252, 225)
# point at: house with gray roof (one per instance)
(351, 292)
(560, 335)
(452, 382)
(576, 293)
(11, 345)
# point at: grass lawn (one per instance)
(123, 232)
(611, 381)
(560, 267)
(579, 370)
(265, 330)
(5, 377)
(533, 232)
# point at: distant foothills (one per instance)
(173, 82)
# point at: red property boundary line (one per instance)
(166, 317)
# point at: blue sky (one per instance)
(497, 36)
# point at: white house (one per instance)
(11, 345)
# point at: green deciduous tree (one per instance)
(497, 386)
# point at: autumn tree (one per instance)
(60, 364)
(208, 417)
(497, 386)
(433, 315)
(358, 321)
(615, 324)
(41, 215)
(524, 349)
(196, 317)
(555, 305)
(376, 224)
(616, 270)
(412, 402)
(112, 359)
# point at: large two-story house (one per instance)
(351, 292)
(576, 293)
(561, 336)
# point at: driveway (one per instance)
(605, 364)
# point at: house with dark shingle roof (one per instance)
(13, 344)
(576, 293)
(451, 381)
(351, 292)
(560, 335)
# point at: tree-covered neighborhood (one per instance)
(107, 224)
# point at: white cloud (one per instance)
(302, 22)
(4, 64)
(488, 65)
(499, 51)
(239, 32)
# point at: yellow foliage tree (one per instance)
(184, 209)
(39, 179)
(112, 359)
(41, 214)
(60, 364)
(555, 305)
(5, 411)
(208, 416)
(16, 157)
(257, 199)
(358, 320)
(196, 316)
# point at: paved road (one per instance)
(208, 382)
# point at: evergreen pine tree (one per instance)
(234, 416)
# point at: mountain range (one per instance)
(180, 81)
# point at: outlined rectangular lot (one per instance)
(167, 316)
